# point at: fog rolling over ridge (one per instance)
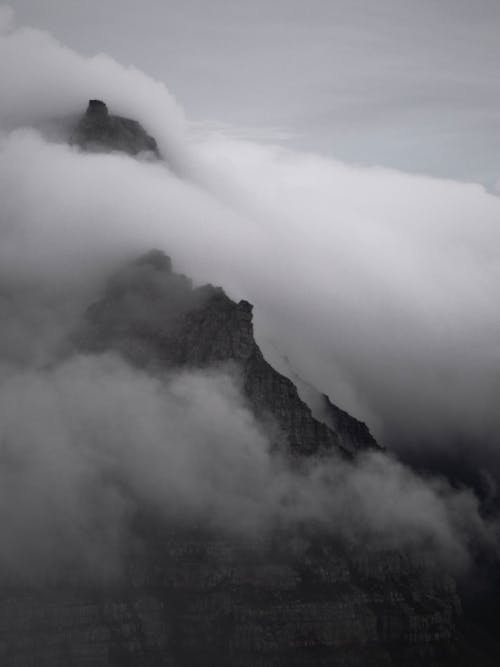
(379, 288)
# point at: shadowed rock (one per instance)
(100, 131)
(154, 317)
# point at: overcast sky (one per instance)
(403, 83)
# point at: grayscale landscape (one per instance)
(250, 335)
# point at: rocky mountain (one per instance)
(191, 596)
(194, 597)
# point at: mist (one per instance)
(377, 287)
(90, 442)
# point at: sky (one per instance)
(399, 83)
(377, 286)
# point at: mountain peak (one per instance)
(154, 316)
(99, 130)
(97, 109)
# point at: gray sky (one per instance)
(412, 85)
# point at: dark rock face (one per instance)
(99, 130)
(154, 316)
(196, 599)
(350, 430)
(200, 601)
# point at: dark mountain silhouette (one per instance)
(100, 130)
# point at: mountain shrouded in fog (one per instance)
(205, 448)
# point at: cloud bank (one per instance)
(88, 443)
(379, 288)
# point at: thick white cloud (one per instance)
(399, 275)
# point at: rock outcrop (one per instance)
(99, 130)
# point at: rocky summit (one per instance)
(97, 129)
(194, 597)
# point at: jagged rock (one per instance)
(99, 130)
(154, 317)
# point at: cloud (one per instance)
(379, 288)
(88, 443)
(399, 273)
